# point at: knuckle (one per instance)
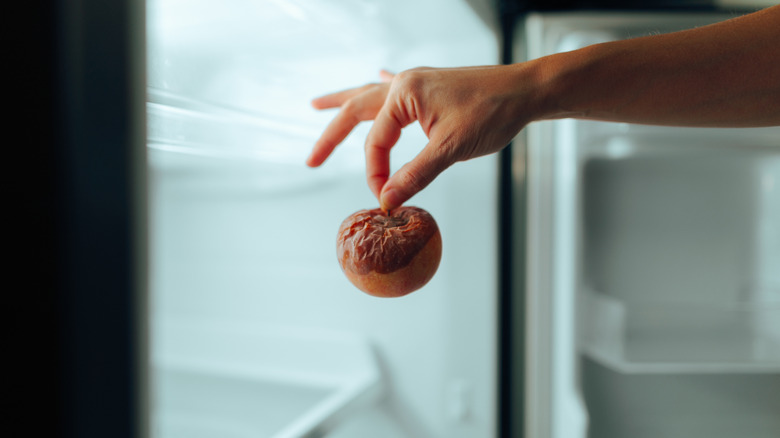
(376, 180)
(411, 80)
(419, 69)
(374, 145)
(351, 109)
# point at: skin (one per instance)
(726, 74)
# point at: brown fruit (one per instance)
(389, 254)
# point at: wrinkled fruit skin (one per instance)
(389, 255)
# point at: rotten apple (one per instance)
(389, 254)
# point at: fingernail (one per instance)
(391, 199)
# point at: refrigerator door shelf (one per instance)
(233, 380)
(615, 141)
(679, 236)
(717, 337)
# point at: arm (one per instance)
(726, 74)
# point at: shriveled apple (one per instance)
(389, 254)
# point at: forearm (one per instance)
(727, 74)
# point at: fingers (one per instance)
(413, 177)
(356, 105)
(334, 100)
(392, 191)
(338, 98)
(386, 76)
(338, 129)
(381, 138)
(390, 117)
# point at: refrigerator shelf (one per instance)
(239, 380)
(619, 141)
(235, 149)
(682, 337)
(618, 363)
(188, 126)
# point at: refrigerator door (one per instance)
(255, 329)
(653, 292)
(74, 344)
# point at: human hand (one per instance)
(469, 112)
(464, 112)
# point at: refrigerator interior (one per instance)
(255, 331)
(654, 266)
(677, 285)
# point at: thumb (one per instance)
(412, 177)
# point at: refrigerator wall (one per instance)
(255, 330)
(653, 265)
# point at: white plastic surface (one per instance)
(690, 223)
(235, 380)
(713, 337)
(667, 333)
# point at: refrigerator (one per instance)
(254, 328)
(651, 260)
(597, 280)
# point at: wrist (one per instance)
(543, 88)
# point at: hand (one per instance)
(464, 112)
(719, 75)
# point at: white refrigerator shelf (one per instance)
(681, 337)
(238, 380)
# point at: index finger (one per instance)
(359, 105)
(338, 98)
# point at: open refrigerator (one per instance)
(644, 294)
(254, 329)
(652, 263)
(646, 260)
